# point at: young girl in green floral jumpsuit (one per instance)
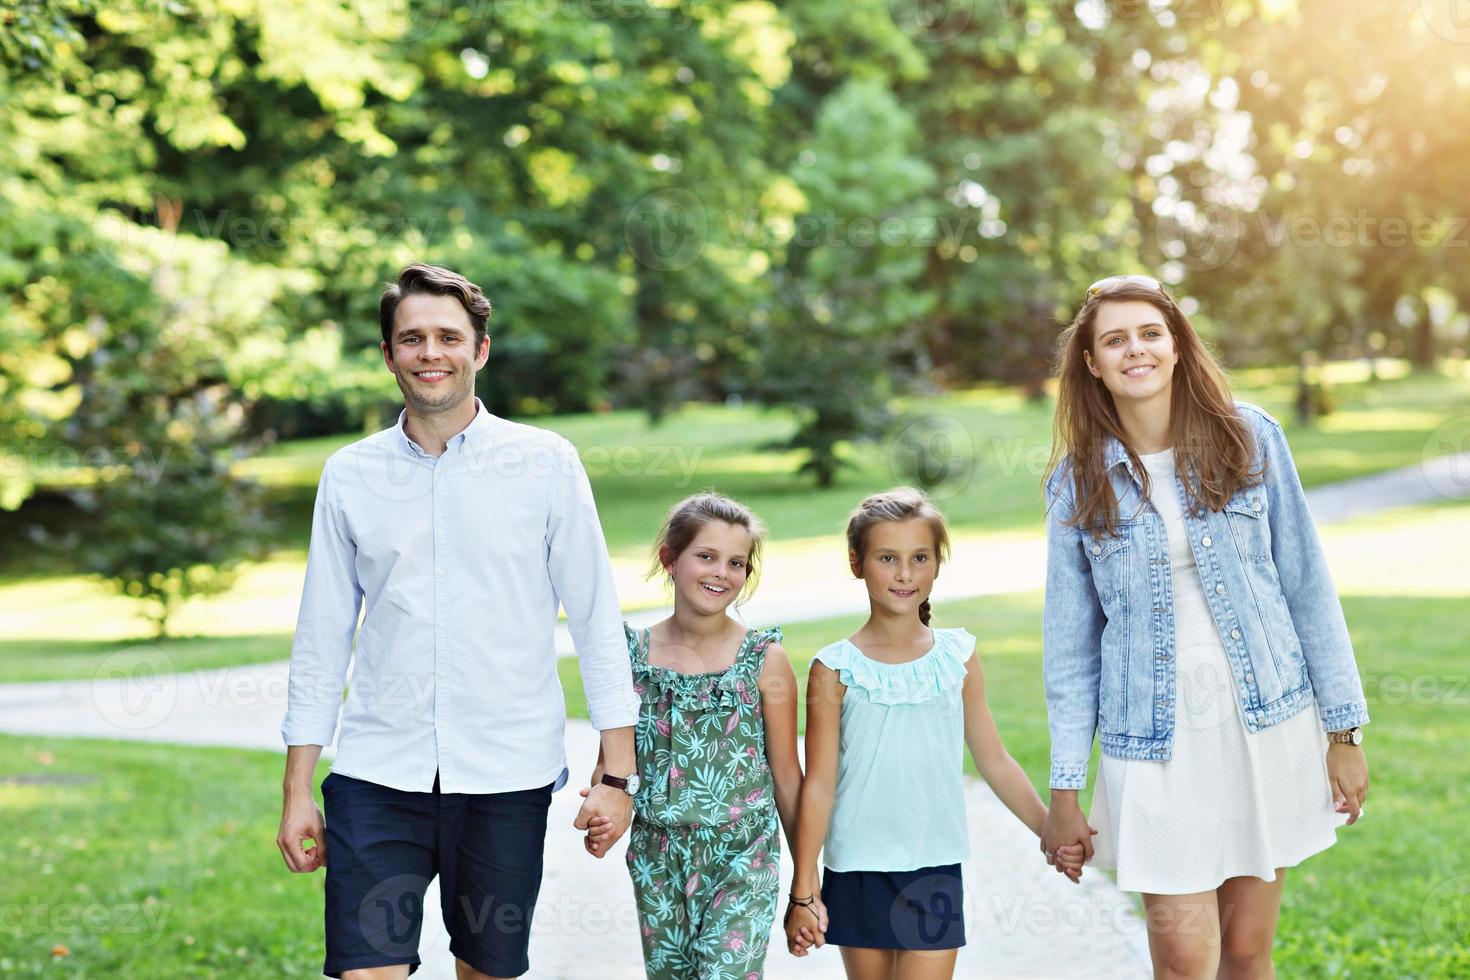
(717, 762)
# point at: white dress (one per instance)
(1230, 802)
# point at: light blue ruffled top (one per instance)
(900, 798)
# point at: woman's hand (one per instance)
(1347, 771)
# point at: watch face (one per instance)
(632, 789)
(1357, 736)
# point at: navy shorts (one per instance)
(923, 909)
(385, 845)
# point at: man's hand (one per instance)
(301, 818)
(605, 815)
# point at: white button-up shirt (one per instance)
(461, 561)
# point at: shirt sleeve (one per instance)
(1306, 583)
(582, 576)
(331, 600)
(1071, 656)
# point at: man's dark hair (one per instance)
(438, 281)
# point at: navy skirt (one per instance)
(923, 909)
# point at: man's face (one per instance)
(433, 353)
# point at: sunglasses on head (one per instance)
(1103, 285)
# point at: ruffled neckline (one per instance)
(712, 689)
(910, 682)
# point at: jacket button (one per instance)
(1235, 634)
(1097, 549)
(1219, 590)
(1256, 505)
(1206, 541)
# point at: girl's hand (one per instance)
(1070, 858)
(805, 927)
(1347, 771)
(599, 829)
(1065, 826)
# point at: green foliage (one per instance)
(845, 304)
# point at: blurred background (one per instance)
(796, 251)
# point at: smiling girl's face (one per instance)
(710, 573)
(899, 565)
(1132, 351)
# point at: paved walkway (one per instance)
(1023, 920)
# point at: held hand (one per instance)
(805, 927)
(1070, 858)
(1347, 771)
(301, 818)
(605, 815)
(1065, 826)
(599, 832)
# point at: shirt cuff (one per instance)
(308, 733)
(619, 716)
(1354, 714)
(1069, 777)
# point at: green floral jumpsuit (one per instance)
(705, 850)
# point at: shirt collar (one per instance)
(474, 434)
(1115, 453)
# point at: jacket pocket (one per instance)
(1246, 516)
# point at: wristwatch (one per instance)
(628, 785)
(1349, 736)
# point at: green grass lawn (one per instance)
(163, 864)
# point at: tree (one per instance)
(840, 332)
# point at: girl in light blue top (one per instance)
(889, 713)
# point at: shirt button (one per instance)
(1206, 541)
(439, 572)
(1235, 634)
(1219, 590)
(439, 521)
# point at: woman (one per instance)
(1191, 621)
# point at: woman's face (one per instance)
(899, 566)
(710, 573)
(1133, 352)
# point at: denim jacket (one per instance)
(1108, 652)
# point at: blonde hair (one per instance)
(689, 515)
(898, 504)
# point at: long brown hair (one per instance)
(1213, 445)
(898, 504)
(692, 513)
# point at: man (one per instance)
(461, 532)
